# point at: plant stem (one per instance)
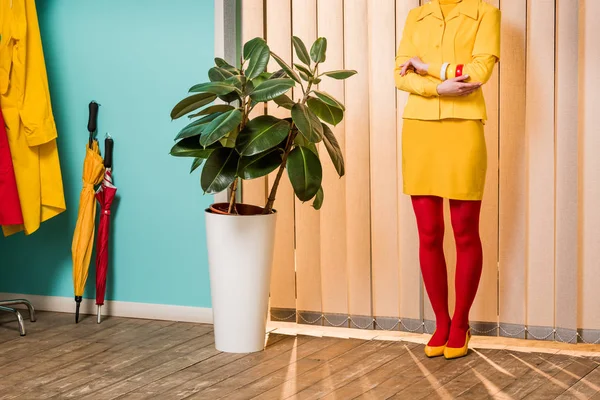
(232, 198)
(288, 147)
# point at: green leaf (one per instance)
(334, 150)
(307, 122)
(261, 134)
(220, 127)
(261, 78)
(190, 147)
(318, 202)
(318, 50)
(257, 53)
(279, 74)
(303, 70)
(219, 62)
(219, 88)
(197, 162)
(329, 99)
(301, 51)
(340, 73)
(231, 97)
(249, 89)
(252, 46)
(217, 108)
(238, 81)
(261, 164)
(191, 103)
(288, 70)
(216, 74)
(195, 128)
(271, 89)
(284, 101)
(304, 76)
(220, 170)
(305, 172)
(326, 112)
(301, 141)
(230, 139)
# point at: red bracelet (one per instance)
(459, 70)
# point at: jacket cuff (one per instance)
(435, 70)
(431, 89)
(37, 135)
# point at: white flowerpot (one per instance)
(240, 257)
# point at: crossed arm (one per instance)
(415, 76)
(425, 79)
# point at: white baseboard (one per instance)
(118, 308)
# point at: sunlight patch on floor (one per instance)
(440, 390)
(492, 389)
(547, 376)
(493, 364)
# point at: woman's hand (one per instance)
(456, 87)
(414, 64)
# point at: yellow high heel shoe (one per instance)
(453, 352)
(434, 351)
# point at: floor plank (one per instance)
(139, 361)
(130, 359)
(299, 367)
(539, 373)
(435, 383)
(417, 367)
(587, 387)
(563, 380)
(505, 371)
(211, 376)
(354, 371)
(373, 377)
(492, 367)
(312, 377)
(269, 367)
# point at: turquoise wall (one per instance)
(137, 59)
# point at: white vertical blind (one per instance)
(539, 128)
(308, 226)
(283, 286)
(589, 164)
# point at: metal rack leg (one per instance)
(19, 318)
(24, 302)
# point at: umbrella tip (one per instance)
(78, 304)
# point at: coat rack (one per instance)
(4, 306)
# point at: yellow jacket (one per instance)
(469, 35)
(25, 102)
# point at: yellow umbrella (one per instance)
(83, 238)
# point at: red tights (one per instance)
(429, 211)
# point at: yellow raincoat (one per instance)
(25, 102)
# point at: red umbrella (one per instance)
(105, 196)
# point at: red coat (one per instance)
(10, 207)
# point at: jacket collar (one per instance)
(470, 8)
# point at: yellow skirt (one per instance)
(445, 158)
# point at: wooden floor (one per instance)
(140, 359)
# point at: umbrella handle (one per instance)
(108, 152)
(93, 120)
(77, 305)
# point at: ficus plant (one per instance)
(229, 146)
